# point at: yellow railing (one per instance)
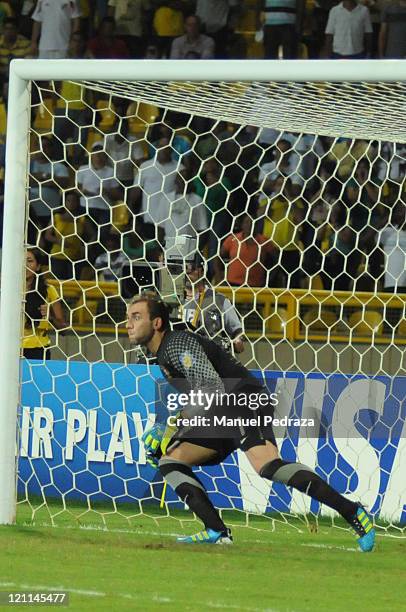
(294, 315)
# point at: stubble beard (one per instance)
(144, 340)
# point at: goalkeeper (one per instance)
(191, 362)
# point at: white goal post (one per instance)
(23, 72)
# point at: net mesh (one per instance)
(309, 177)
(345, 109)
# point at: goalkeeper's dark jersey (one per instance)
(191, 361)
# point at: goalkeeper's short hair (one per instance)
(156, 307)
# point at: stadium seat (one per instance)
(3, 119)
(401, 330)
(93, 136)
(87, 304)
(255, 50)
(366, 323)
(140, 115)
(121, 215)
(84, 311)
(247, 20)
(107, 115)
(316, 283)
(43, 116)
(276, 324)
(319, 321)
(303, 51)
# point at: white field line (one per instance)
(129, 531)
(331, 547)
(176, 535)
(155, 598)
(54, 589)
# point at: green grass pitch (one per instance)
(136, 565)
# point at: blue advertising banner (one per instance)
(81, 425)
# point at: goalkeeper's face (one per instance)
(140, 327)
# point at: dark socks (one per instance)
(200, 504)
(303, 479)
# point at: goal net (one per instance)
(266, 203)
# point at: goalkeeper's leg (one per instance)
(176, 469)
(265, 459)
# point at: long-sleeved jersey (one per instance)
(191, 361)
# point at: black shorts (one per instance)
(223, 446)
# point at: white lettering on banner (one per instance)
(123, 445)
(76, 428)
(394, 501)
(78, 424)
(356, 450)
(25, 432)
(139, 430)
(93, 453)
(312, 408)
(43, 423)
(254, 489)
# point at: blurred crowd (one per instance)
(266, 208)
(203, 29)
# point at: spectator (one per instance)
(392, 34)
(392, 238)
(282, 24)
(210, 312)
(125, 151)
(209, 141)
(309, 148)
(69, 231)
(25, 19)
(131, 17)
(247, 251)
(5, 12)
(181, 140)
(218, 18)
(214, 189)
(315, 234)
(285, 229)
(392, 162)
(152, 51)
(42, 306)
(348, 31)
(341, 261)
(135, 245)
(106, 45)
(277, 208)
(362, 194)
(344, 153)
(72, 113)
(156, 177)
(12, 45)
(325, 185)
(168, 22)
(182, 210)
(192, 42)
(286, 164)
(100, 8)
(47, 178)
(53, 24)
(99, 187)
(110, 264)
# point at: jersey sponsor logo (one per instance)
(186, 360)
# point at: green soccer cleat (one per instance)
(208, 536)
(363, 527)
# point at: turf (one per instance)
(135, 565)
